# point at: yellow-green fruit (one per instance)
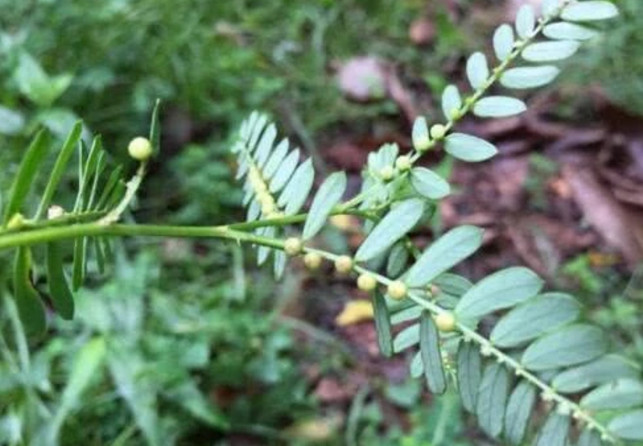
(366, 282)
(344, 264)
(438, 131)
(140, 148)
(16, 221)
(387, 173)
(403, 163)
(445, 321)
(293, 246)
(397, 290)
(312, 260)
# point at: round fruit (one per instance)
(438, 131)
(140, 148)
(293, 246)
(344, 264)
(397, 290)
(403, 163)
(445, 321)
(387, 173)
(312, 260)
(366, 282)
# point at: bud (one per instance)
(344, 264)
(445, 321)
(387, 173)
(420, 135)
(312, 260)
(293, 246)
(366, 282)
(438, 131)
(397, 290)
(140, 148)
(55, 211)
(403, 163)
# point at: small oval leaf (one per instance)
(550, 51)
(628, 426)
(469, 148)
(477, 70)
(521, 404)
(492, 398)
(555, 431)
(529, 77)
(606, 369)
(446, 252)
(431, 356)
(469, 374)
(329, 194)
(569, 31)
(395, 225)
(503, 41)
(589, 11)
(525, 21)
(429, 184)
(295, 193)
(498, 107)
(621, 394)
(498, 291)
(382, 324)
(451, 102)
(569, 346)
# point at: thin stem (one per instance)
(132, 187)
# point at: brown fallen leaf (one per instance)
(610, 219)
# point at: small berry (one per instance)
(55, 211)
(485, 350)
(445, 322)
(140, 148)
(397, 290)
(387, 173)
(344, 264)
(366, 282)
(438, 131)
(312, 260)
(17, 221)
(293, 246)
(403, 163)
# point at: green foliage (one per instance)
(498, 375)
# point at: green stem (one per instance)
(50, 234)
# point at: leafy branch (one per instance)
(531, 344)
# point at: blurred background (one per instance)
(204, 348)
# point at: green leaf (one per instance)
(263, 252)
(550, 51)
(284, 172)
(79, 267)
(503, 41)
(589, 438)
(397, 260)
(606, 369)
(265, 146)
(419, 135)
(446, 252)
(429, 184)
(529, 77)
(295, 193)
(525, 21)
(279, 264)
(498, 107)
(521, 404)
(492, 397)
(86, 366)
(189, 397)
(27, 171)
(477, 70)
(382, 324)
(621, 394)
(469, 374)
(589, 11)
(534, 318)
(155, 127)
(406, 338)
(259, 126)
(278, 155)
(59, 168)
(451, 102)
(452, 284)
(500, 290)
(554, 432)
(469, 148)
(408, 314)
(329, 194)
(569, 31)
(30, 307)
(431, 355)
(628, 426)
(416, 369)
(58, 287)
(569, 346)
(395, 225)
